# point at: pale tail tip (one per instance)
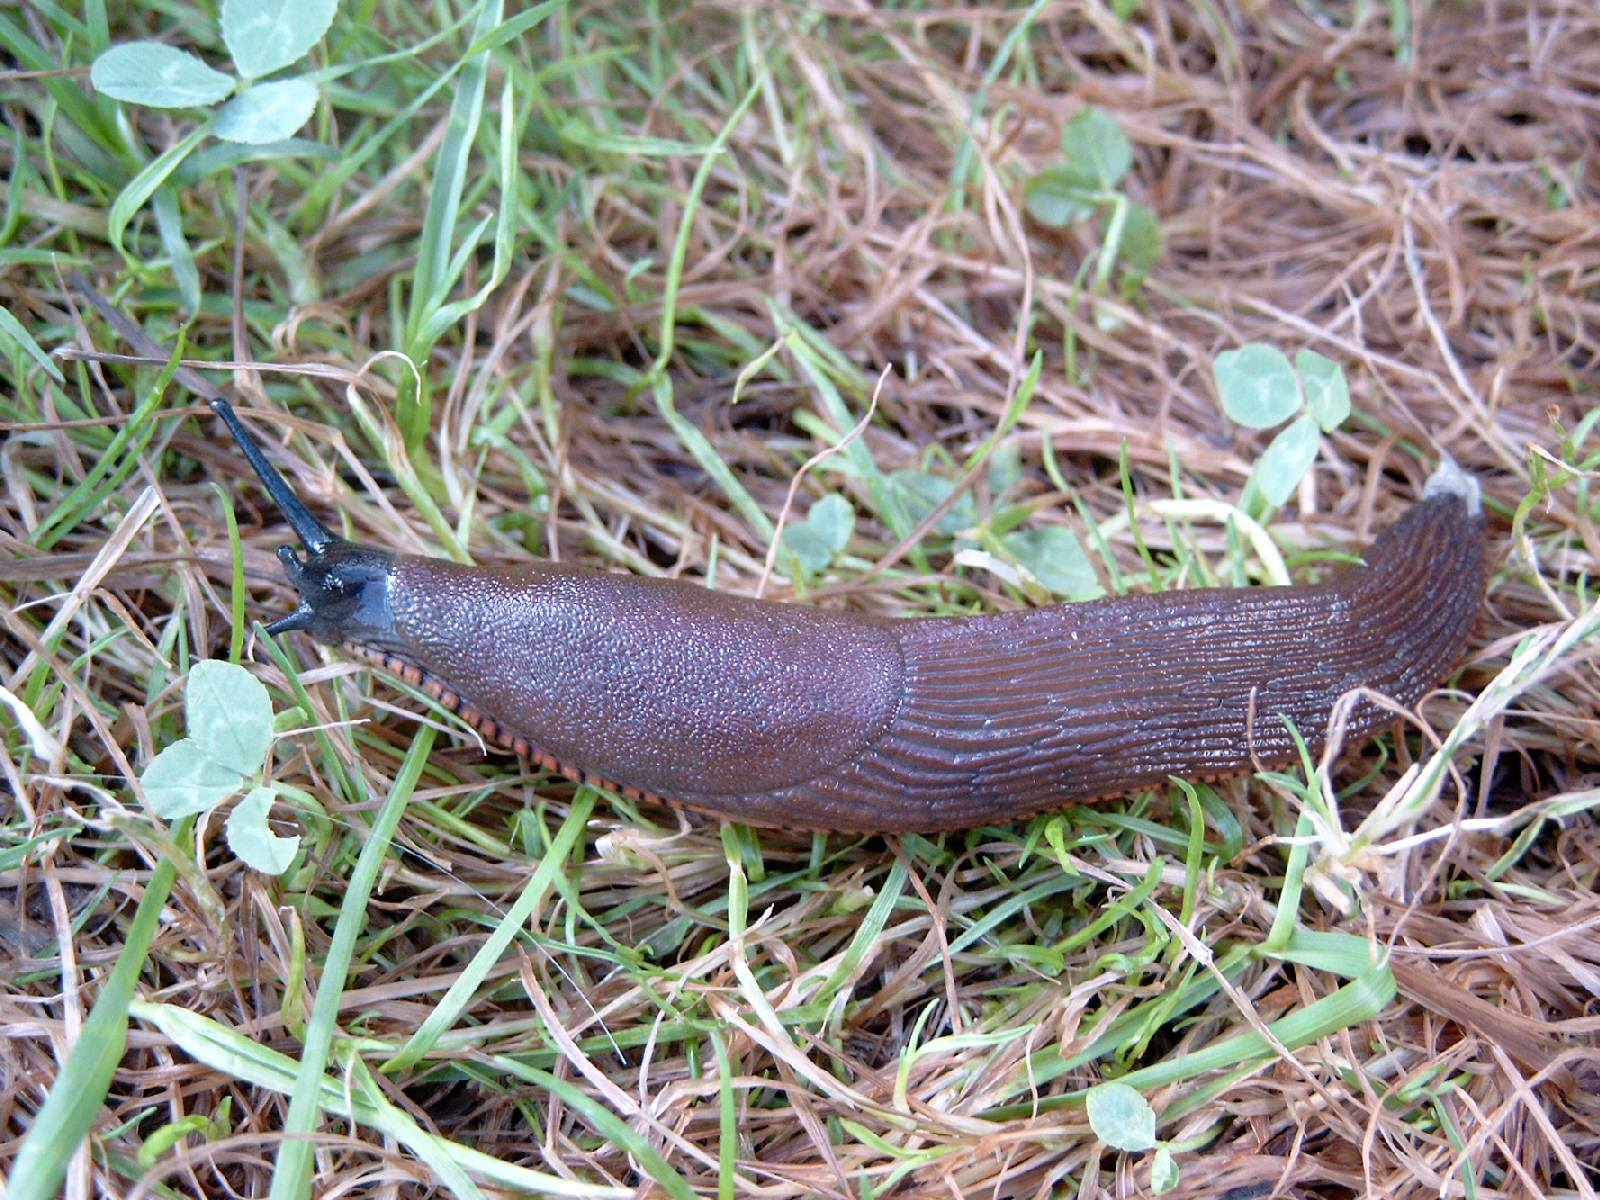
(1451, 480)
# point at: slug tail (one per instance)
(1416, 599)
(1009, 715)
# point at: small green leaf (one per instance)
(250, 837)
(1054, 556)
(268, 112)
(1284, 463)
(264, 35)
(158, 76)
(1327, 391)
(1121, 1117)
(825, 531)
(1257, 384)
(1141, 241)
(1163, 1171)
(1005, 468)
(1060, 195)
(922, 491)
(808, 546)
(834, 519)
(229, 715)
(1095, 143)
(183, 780)
(164, 1138)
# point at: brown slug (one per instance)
(790, 716)
(795, 717)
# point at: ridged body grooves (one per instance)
(794, 717)
(1006, 716)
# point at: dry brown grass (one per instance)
(1420, 207)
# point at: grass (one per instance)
(498, 304)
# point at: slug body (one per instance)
(800, 718)
(788, 716)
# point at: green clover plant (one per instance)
(1098, 155)
(1260, 389)
(1124, 1120)
(263, 37)
(230, 723)
(813, 544)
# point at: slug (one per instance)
(795, 717)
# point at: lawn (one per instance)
(897, 310)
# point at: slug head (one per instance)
(344, 594)
(344, 589)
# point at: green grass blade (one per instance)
(691, 209)
(870, 929)
(509, 31)
(1329, 950)
(13, 329)
(237, 594)
(1361, 999)
(113, 465)
(1284, 921)
(143, 185)
(430, 285)
(698, 445)
(244, 1058)
(390, 1119)
(80, 1090)
(292, 1179)
(448, 1011)
(962, 165)
(728, 1119)
(656, 378)
(64, 88)
(449, 181)
(821, 363)
(606, 1122)
(169, 225)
